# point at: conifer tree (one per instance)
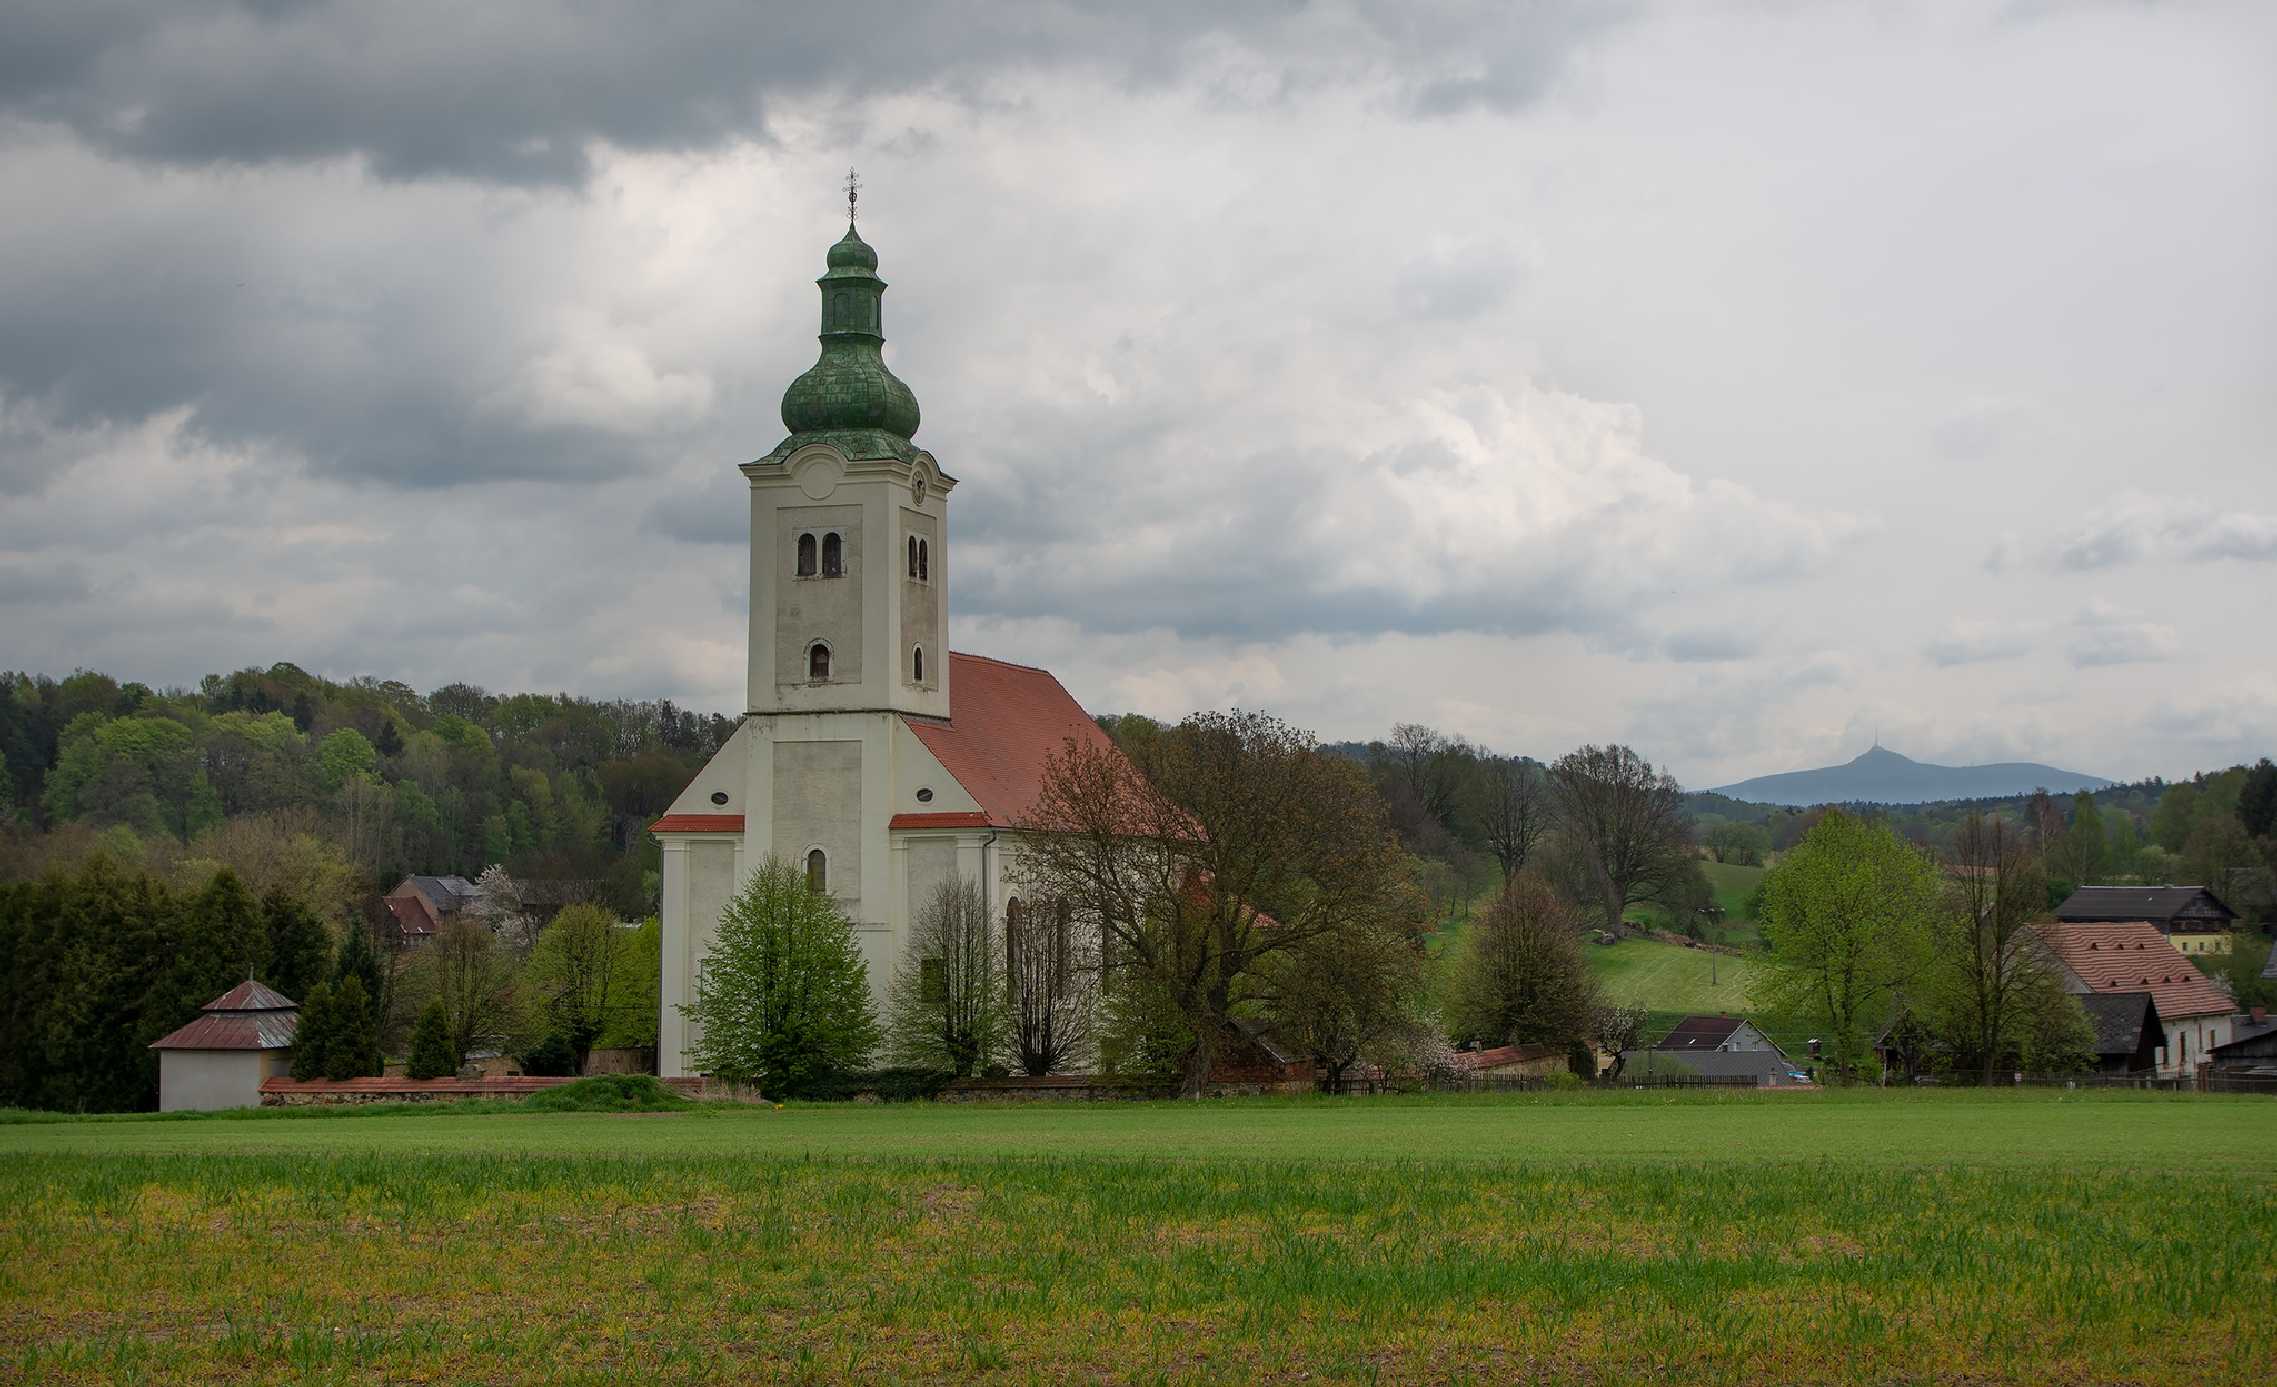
(312, 1038)
(299, 950)
(352, 1042)
(431, 1056)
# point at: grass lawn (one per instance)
(1870, 1236)
(1670, 977)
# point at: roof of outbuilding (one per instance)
(248, 1016)
(2119, 1019)
(2136, 957)
(1005, 723)
(251, 996)
(2125, 903)
(1505, 1054)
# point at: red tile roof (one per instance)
(1005, 722)
(251, 996)
(411, 914)
(698, 823)
(2136, 957)
(954, 818)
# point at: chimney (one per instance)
(2260, 1016)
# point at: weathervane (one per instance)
(853, 195)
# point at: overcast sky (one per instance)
(1733, 381)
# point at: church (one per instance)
(869, 755)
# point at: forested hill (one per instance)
(1882, 776)
(552, 786)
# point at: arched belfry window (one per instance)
(818, 662)
(924, 562)
(806, 556)
(917, 665)
(833, 556)
(817, 871)
(913, 556)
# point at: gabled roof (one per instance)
(2135, 957)
(1700, 1033)
(2120, 1019)
(410, 913)
(2158, 904)
(1005, 723)
(246, 1017)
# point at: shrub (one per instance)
(551, 1057)
(608, 1093)
(893, 1085)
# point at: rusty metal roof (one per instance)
(251, 996)
(234, 1030)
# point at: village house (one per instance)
(418, 905)
(1715, 1047)
(2192, 917)
(220, 1059)
(2194, 1015)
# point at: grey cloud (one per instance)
(2138, 528)
(715, 511)
(515, 91)
(1969, 643)
(2103, 635)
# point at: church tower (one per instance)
(849, 527)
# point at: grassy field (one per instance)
(1670, 977)
(1799, 1237)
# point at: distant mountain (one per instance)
(1881, 776)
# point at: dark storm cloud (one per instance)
(514, 91)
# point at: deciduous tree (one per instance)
(1236, 839)
(1989, 976)
(576, 976)
(1520, 977)
(1624, 822)
(947, 1006)
(783, 998)
(1847, 914)
(1512, 810)
(1054, 966)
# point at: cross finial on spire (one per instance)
(853, 195)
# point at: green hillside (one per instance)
(1670, 977)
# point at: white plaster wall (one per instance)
(2203, 1034)
(205, 1080)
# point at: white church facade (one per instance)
(869, 755)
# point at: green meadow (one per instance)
(1599, 1237)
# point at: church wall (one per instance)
(818, 803)
(699, 877)
(819, 607)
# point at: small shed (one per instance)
(219, 1060)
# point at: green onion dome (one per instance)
(849, 389)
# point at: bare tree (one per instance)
(1512, 810)
(1624, 821)
(1237, 839)
(1990, 976)
(946, 1005)
(1428, 770)
(1055, 972)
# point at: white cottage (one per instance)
(871, 757)
(219, 1060)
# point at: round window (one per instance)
(925, 796)
(719, 796)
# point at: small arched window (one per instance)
(833, 556)
(818, 662)
(924, 562)
(806, 556)
(817, 871)
(913, 556)
(917, 665)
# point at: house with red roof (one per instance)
(870, 756)
(2112, 959)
